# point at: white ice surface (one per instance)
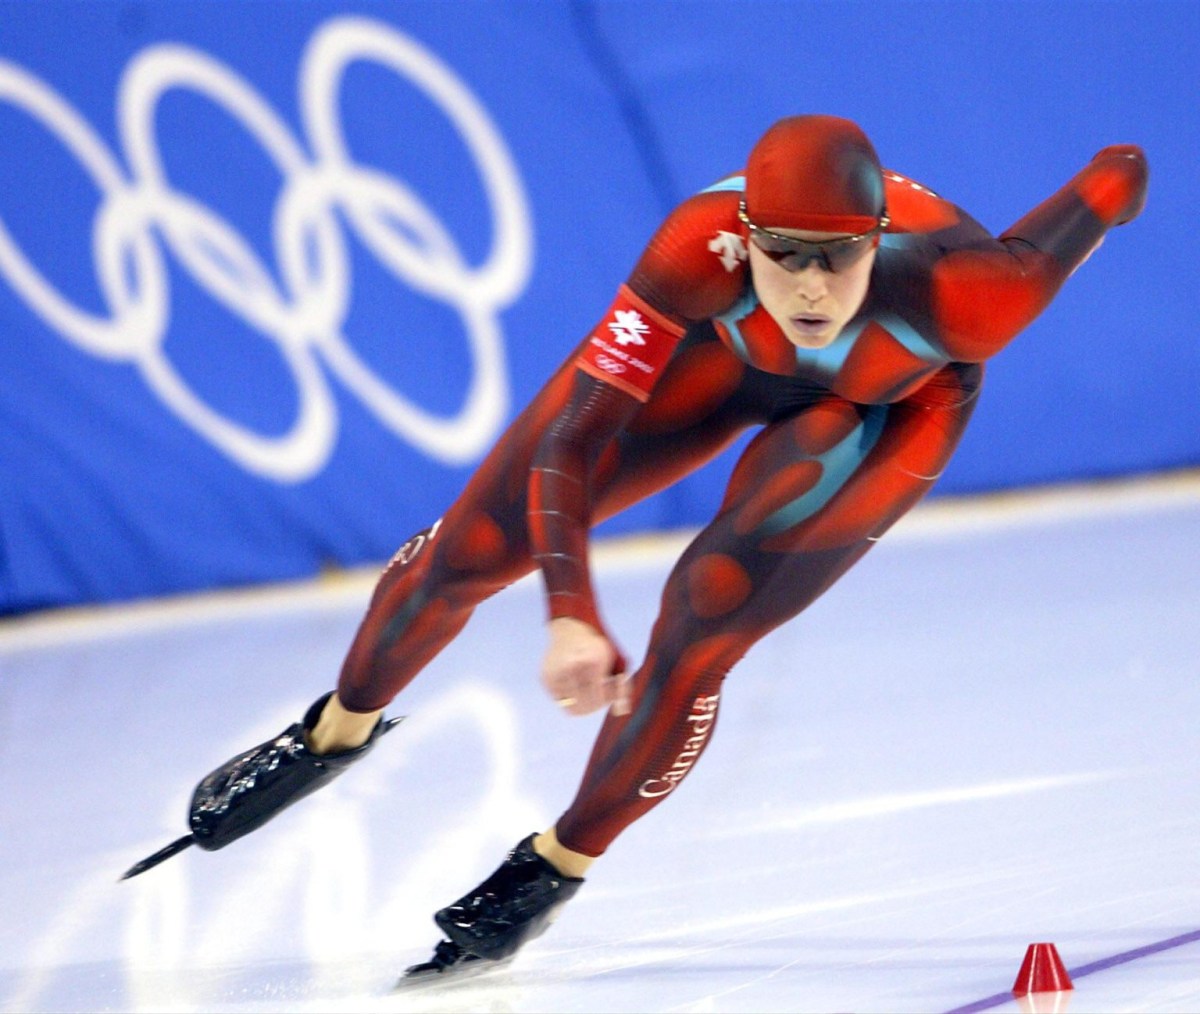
(984, 736)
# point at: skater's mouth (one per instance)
(811, 323)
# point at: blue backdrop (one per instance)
(273, 276)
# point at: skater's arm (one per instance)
(986, 294)
(582, 667)
(561, 489)
(616, 373)
(679, 279)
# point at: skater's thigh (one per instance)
(704, 401)
(809, 496)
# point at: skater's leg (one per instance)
(701, 404)
(423, 598)
(809, 497)
(432, 585)
(436, 580)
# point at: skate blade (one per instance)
(162, 855)
(436, 973)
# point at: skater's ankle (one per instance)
(338, 729)
(568, 862)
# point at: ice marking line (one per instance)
(996, 1000)
(901, 802)
(762, 918)
(751, 923)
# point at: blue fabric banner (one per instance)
(274, 276)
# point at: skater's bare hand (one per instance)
(578, 669)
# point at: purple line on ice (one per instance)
(988, 1002)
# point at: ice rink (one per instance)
(984, 736)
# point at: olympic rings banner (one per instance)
(274, 276)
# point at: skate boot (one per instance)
(514, 905)
(248, 790)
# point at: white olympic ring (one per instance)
(304, 317)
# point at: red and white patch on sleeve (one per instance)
(630, 347)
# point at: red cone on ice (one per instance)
(1042, 971)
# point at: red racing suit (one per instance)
(849, 438)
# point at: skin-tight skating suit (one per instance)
(850, 437)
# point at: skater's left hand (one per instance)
(578, 669)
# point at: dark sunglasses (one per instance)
(793, 254)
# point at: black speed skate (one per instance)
(489, 924)
(251, 788)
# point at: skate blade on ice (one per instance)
(449, 964)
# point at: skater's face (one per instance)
(813, 290)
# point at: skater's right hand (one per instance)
(577, 670)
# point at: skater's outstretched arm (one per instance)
(985, 294)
